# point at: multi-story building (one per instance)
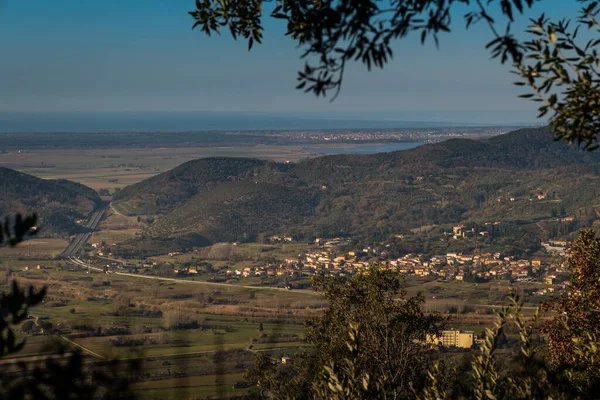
(462, 339)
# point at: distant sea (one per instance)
(205, 121)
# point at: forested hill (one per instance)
(530, 148)
(524, 149)
(58, 203)
(372, 195)
(172, 188)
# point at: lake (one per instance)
(366, 148)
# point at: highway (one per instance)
(81, 239)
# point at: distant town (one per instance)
(425, 135)
(325, 257)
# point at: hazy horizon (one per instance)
(164, 121)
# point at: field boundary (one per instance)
(93, 353)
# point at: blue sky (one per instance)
(141, 55)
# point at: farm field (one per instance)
(116, 168)
(233, 335)
(46, 248)
(116, 228)
(194, 387)
(172, 327)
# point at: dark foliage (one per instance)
(54, 380)
(17, 231)
(14, 309)
(334, 33)
(576, 315)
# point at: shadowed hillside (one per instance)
(58, 203)
(229, 212)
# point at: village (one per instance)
(326, 256)
(447, 267)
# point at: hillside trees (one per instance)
(390, 328)
(56, 203)
(367, 196)
(530, 374)
(576, 316)
(560, 70)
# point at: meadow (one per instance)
(36, 249)
(185, 334)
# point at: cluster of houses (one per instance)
(455, 266)
(280, 239)
(101, 249)
(38, 266)
(461, 231)
(558, 247)
(450, 266)
(538, 195)
(487, 266)
(306, 265)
